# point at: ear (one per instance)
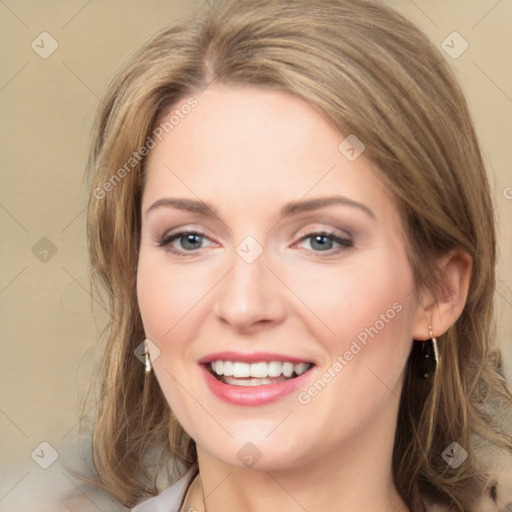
(442, 308)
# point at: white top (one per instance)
(168, 500)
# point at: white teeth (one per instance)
(274, 369)
(259, 370)
(247, 382)
(287, 369)
(228, 368)
(300, 368)
(241, 370)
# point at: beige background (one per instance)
(49, 322)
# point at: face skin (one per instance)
(246, 152)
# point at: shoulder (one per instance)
(498, 495)
(30, 485)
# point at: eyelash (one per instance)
(345, 243)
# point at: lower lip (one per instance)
(254, 395)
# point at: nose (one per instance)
(250, 297)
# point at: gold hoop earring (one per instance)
(431, 357)
(435, 349)
(147, 359)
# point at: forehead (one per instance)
(250, 124)
(257, 145)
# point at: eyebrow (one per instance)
(289, 209)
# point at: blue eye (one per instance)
(324, 242)
(188, 241)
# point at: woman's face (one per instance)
(265, 241)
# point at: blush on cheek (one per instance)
(153, 308)
(152, 290)
(167, 304)
(374, 330)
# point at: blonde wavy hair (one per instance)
(373, 74)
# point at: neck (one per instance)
(356, 478)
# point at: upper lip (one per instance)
(252, 357)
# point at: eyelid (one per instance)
(314, 228)
(188, 228)
(343, 243)
(321, 226)
(175, 235)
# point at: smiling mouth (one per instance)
(237, 373)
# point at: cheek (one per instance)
(350, 299)
(166, 298)
(378, 319)
(166, 295)
(153, 308)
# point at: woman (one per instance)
(291, 215)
